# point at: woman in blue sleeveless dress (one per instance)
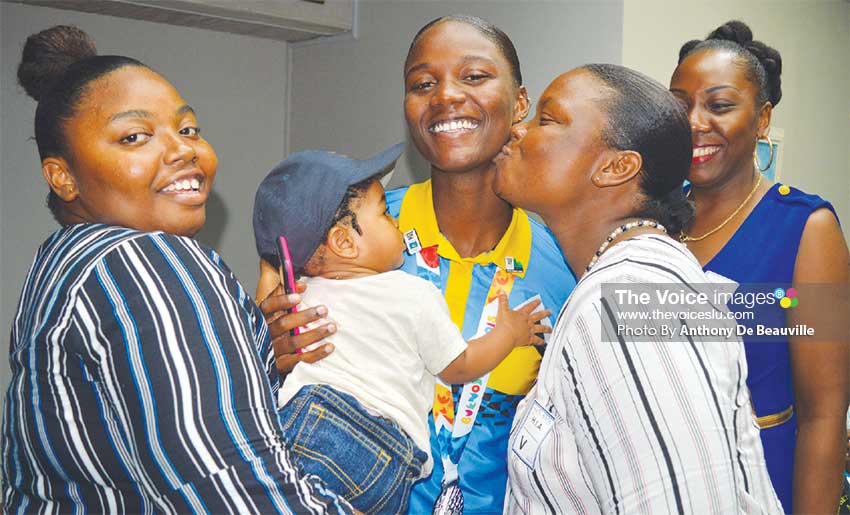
(752, 231)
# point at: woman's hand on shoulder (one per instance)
(276, 308)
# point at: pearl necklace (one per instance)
(620, 230)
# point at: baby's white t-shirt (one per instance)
(394, 334)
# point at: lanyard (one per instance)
(453, 426)
(454, 423)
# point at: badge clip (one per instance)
(411, 241)
(512, 265)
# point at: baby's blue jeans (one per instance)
(367, 459)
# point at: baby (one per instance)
(358, 418)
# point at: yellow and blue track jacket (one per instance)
(539, 269)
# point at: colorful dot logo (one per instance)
(787, 298)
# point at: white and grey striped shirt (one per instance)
(138, 385)
(637, 427)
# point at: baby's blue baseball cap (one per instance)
(300, 196)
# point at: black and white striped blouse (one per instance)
(621, 426)
(137, 385)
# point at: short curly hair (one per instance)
(344, 215)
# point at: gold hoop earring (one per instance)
(756, 156)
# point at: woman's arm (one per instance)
(820, 368)
(185, 384)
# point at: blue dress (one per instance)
(764, 250)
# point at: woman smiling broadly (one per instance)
(463, 93)
(136, 383)
(753, 231)
(615, 423)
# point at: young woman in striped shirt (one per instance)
(137, 384)
(617, 423)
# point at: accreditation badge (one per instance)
(532, 432)
(411, 241)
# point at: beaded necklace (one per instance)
(620, 230)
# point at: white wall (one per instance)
(347, 95)
(236, 85)
(813, 37)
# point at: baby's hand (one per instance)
(522, 323)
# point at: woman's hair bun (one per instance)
(48, 54)
(770, 58)
(763, 62)
(735, 31)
